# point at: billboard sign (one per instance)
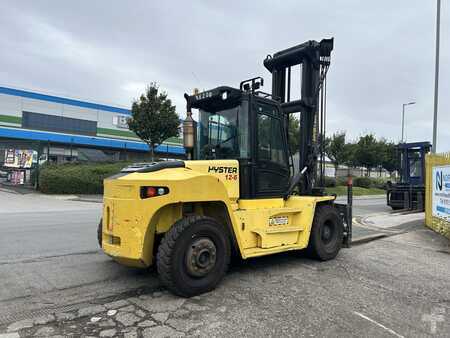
(441, 192)
(19, 158)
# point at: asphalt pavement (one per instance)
(57, 282)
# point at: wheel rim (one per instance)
(201, 257)
(328, 232)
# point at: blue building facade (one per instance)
(66, 129)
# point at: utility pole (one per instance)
(403, 119)
(436, 76)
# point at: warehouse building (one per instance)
(56, 129)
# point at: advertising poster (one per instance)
(25, 158)
(19, 158)
(10, 158)
(441, 192)
(17, 177)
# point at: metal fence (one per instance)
(437, 193)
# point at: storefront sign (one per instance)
(121, 121)
(441, 192)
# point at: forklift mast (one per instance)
(314, 60)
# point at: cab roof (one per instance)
(215, 99)
(223, 97)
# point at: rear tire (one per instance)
(327, 233)
(193, 256)
(99, 233)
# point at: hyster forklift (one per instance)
(409, 192)
(237, 192)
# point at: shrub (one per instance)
(379, 183)
(329, 182)
(76, 178)
(341, 181)
(362, 182)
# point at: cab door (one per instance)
(271, 170)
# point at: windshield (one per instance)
(223, 134)
(415, 164)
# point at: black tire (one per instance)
(191, 237)
(326, 236)
(99, 233)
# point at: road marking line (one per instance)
(380, 325)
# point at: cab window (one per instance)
(270, 139)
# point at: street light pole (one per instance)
(436, 76)
(403, 123)
(403, 119)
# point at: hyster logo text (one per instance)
(222, 170)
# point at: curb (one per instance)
(9, 191)
(369, 197)
(363, 197)
(368, 238)
(85, 200)
(17, 191)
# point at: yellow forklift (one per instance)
(238, 192)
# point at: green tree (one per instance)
(294, 134)
(337, 150)
(367, 152)
(390, 159)
(153, 118)
(350, 160)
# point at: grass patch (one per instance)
(357, 191)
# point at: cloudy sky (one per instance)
(107, 51)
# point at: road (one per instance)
(50, 262)
(366, 206)
(49, 256)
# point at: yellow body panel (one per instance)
(275, 225)
(227, 171)
(260, 226)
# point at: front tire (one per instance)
(193, 256)
(327, 233)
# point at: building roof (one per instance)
(62, 100)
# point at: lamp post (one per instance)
(403, 119)
(436, 77)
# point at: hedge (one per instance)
(88, 178)
(329, 182)
(76, 178)
(362, 182)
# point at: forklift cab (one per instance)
(412, 162)
(252, 127)
(247, 126)
(409, 191)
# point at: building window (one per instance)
(58, 123)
